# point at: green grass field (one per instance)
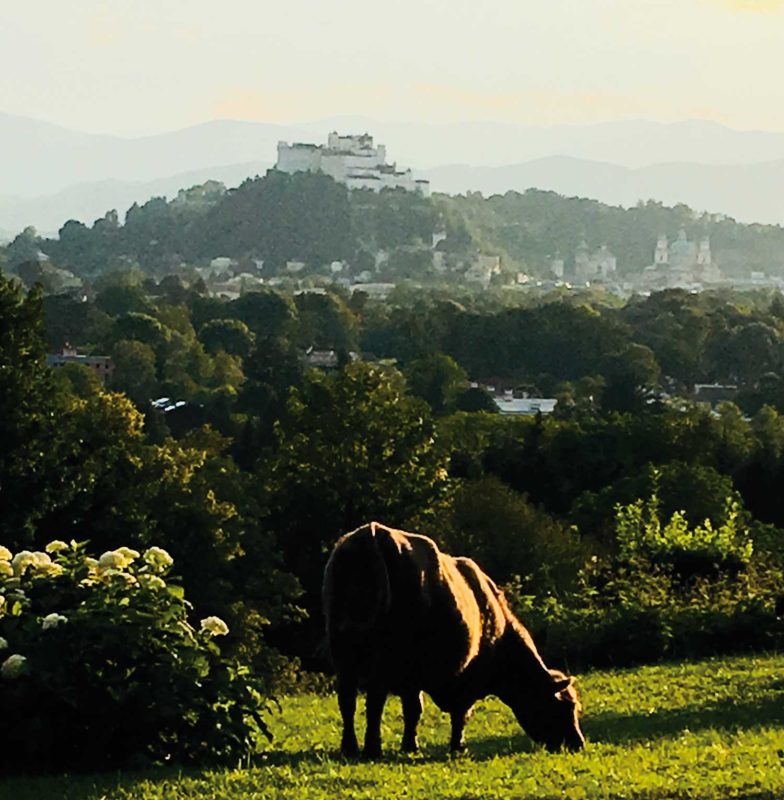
(709, 730)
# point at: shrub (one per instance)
(641, 535)
(508, 536)
(101, 666)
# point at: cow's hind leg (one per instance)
(347, 702)
(412, 711)
(459, 719)
(376, 697)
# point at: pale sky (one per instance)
(134, 67)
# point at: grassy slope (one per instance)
(709, 730)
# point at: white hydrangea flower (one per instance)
(5, 553)
(21, 561)
(111, 559)
(158, 557)
(123, 577)
(52, 621)
(42, 559)
(52, 570)
(128, 553)
(6, 570)
(56, 546)
(3, 643)
(13, 666)
(215, 626)
(151, 582)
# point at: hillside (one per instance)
(310, 218)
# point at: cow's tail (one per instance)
(356, 591)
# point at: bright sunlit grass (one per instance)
(707, 731)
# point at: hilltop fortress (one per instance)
(352, 160)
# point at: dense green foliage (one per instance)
(707, 731)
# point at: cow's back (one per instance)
(401, 612)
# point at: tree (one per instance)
(67, 319)
(325, 322)
(474, 399)
(352, 447)
(437, 379)
(134, 371)
(29, 409)
(228, 335)
(628, 375)
(24, 247)
(142, 328)
(269, 314)
(508, 536)
(116, 299)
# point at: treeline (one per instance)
(310, 218)
(172, 339)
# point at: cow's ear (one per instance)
(563, 683)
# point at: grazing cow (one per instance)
(403, 618)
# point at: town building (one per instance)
(483, 269)
(353, 160)
(101, 365)
(511, 403)
(591, 266)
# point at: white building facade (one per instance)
(353, 160)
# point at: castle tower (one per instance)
(662, 252)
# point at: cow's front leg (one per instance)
(412, 711)
(459, 719)
(376, 697)
(347, 702)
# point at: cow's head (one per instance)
(551, 713)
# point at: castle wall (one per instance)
(352, 160)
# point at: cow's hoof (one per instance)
(349, 749)
(410, 747)
(371, 751)
(457, 749)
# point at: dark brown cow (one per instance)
(403, 618)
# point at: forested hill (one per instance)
(310, 218)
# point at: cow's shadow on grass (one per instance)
(614, 728)
(726, 715)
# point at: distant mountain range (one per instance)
(749, 193)
(49, 174)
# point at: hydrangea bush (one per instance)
(101, 667)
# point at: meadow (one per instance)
(711, 730)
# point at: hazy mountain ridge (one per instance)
(49, 174)
(89, 201)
